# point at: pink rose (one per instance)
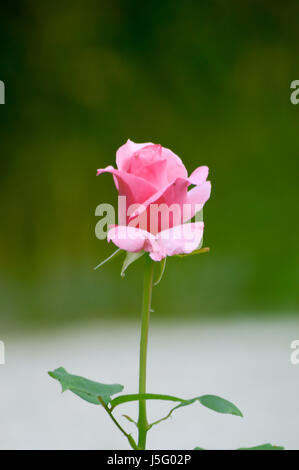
(155, 182)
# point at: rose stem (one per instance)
(146, 307)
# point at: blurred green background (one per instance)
(211, 81)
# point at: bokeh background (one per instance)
(211, 81)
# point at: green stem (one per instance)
(128, 436)
(146, 307)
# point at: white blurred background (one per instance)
(246, 362)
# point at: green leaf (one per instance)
(209, 401)
(142, 396)
(90, 398)
(263, 447)
(195, 252)
(220, 405)
(129, 259)
(114, 254)
(130, 419)
(85, 388)
(162, 265)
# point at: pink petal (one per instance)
(130, 238)
(148, 164)
(173, 193)
(196, 198)
(199, 175)
(125, 152)
(177, 240)
(158, 254)
(134, 188)
(175, 166)
(146, 155)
